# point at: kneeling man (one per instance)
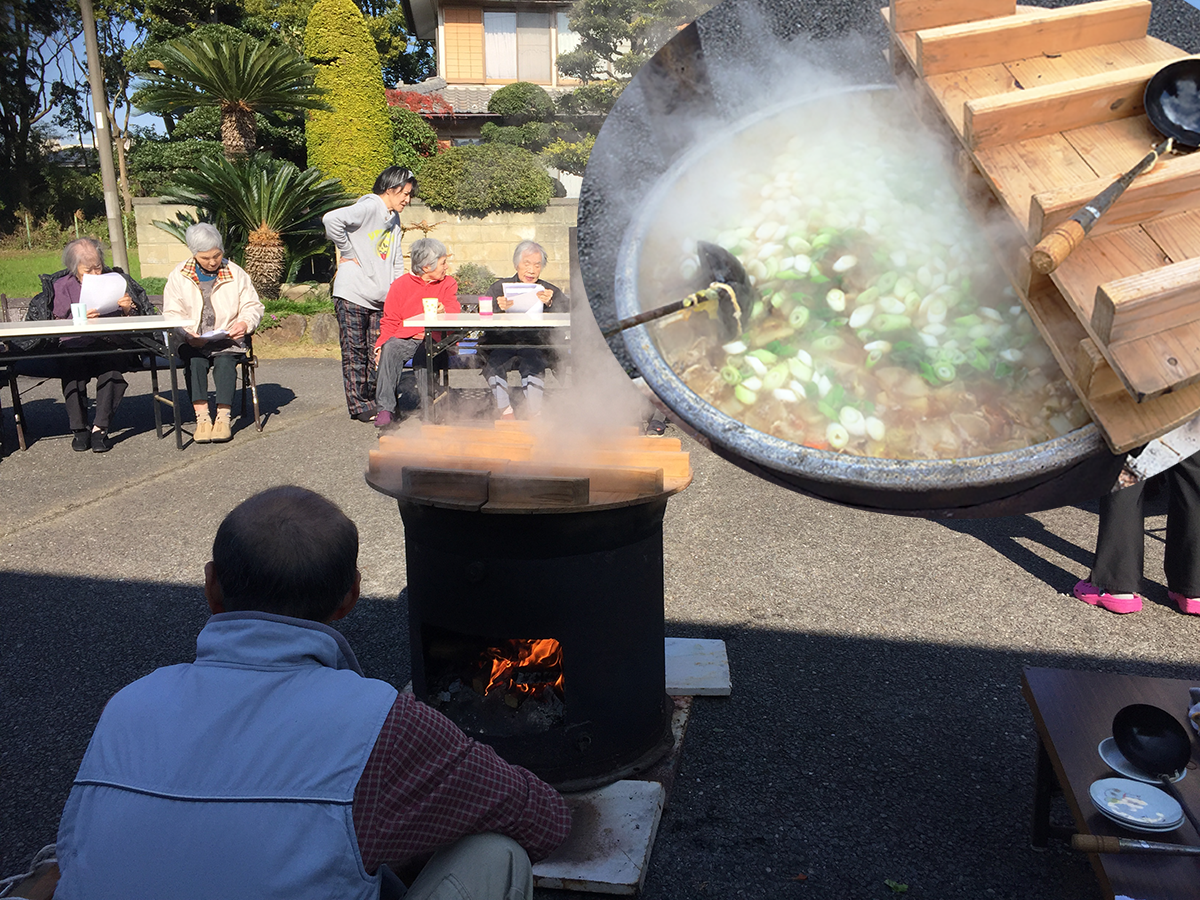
(271, 768)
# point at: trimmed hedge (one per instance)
(521, 102)
(414, 139)
(531, 135)
(353, 142)
(483, 178)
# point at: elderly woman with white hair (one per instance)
(529, 259)
(81, 257)
(217, 297)
(396, 344)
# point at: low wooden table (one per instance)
(1073, 712)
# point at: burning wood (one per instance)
(521, 668)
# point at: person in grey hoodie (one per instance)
(367, 237)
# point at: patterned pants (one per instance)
(358, 329)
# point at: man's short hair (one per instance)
(529, 247)
(425, 254)
(202, 237)
(287, 551)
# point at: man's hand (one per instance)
(378, 350)
(237, 329)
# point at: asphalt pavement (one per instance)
(875, 731)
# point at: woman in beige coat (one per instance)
(217, 297)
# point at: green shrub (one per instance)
(532, 135)
(521, 102)
(593, 99)
(153, 163)
(413, 138)
(352, 143)
(484, 178)
(570, 157)
(473, 278)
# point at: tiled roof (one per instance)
(468, 99)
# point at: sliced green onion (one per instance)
(757, 366)
(744, 395)
(775, 379)
(752, 383)
(944, 371)
(735, 348)
(730, 375)
(798, 317)
(837, 436)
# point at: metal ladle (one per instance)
(1153, 740)
(729, 288)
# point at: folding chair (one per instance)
(248, 366)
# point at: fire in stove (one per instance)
(521, 669)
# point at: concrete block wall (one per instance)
(483, 240)
(158, 251)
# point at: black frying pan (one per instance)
(1172, 101)
(1154, 741)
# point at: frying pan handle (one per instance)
(1056, 246)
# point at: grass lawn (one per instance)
(19, 271)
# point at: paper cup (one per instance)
(485, 306)
(430, 306)
(79, 313)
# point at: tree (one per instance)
(241, 79)
(33, 37)
(353, 141)
(618, 36)
(485, 177)
(414, 139)
(273, 208)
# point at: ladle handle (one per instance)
(1055, 247)
(1103, 843)
(709, 294)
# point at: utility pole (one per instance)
(104, 144)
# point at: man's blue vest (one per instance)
(230, 777)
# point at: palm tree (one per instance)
(272, 207)
(240, 77)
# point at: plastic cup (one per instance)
(79, 313)
(430, 306)
(485, 306)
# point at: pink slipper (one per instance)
(1117, 603)
(1189, 605)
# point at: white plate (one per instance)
(1135, 804)
(1119, 764)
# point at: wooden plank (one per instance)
(1145, 304)
(1047, 33)
(1018, 171)
(1171, 187)
(465, 448)
(910, 15)
(1042, 110)
(674, 465)
(1094, 377)
(1158, 363)
(1101, 259)
(620, 479)
(1177, 236)
(536, 492)
(452, 488)
(471, 433)
(1037, 71)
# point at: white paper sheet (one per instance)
(101, 292)
(215, 335)
(524, 297)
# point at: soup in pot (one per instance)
(884, 326)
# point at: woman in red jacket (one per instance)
(397, 344)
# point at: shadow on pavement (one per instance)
(841, 759)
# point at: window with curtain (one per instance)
(500, 45)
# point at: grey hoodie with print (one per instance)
(369, 233)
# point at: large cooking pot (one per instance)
(672, 108)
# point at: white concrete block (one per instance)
(697, 668)
(612, 832)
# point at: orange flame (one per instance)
(504, 665)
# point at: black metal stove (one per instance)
(590, 579)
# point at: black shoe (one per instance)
(367, 415)
(100, 442)
(79, 443)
